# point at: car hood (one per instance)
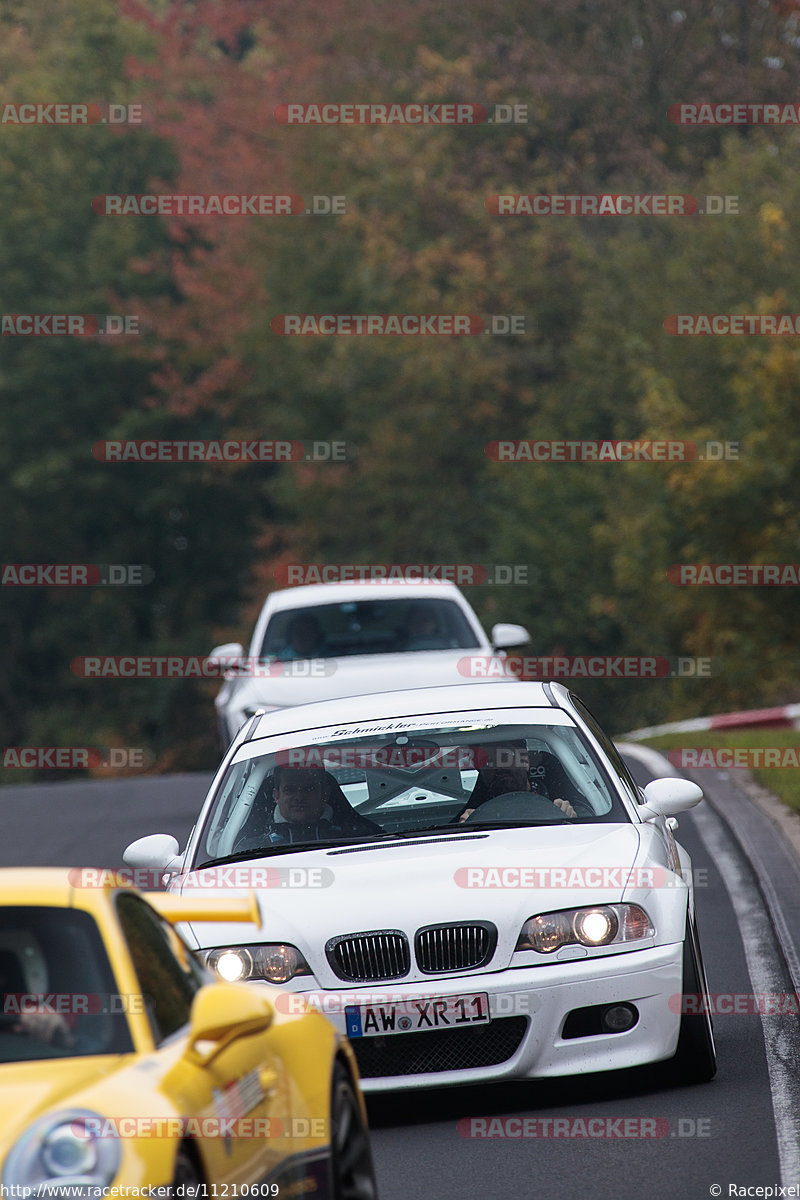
(29, 1089)
(360, 674)
(434, 880)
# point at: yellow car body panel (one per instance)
(247, 1084)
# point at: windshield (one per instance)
(398, 784)
(58, 994)
(367, 627)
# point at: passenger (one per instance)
(508, 770)
(421, 619)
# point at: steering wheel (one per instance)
(517, 806)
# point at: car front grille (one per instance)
(369, 957)
(439, 1050)
(442, 948)
(381, 954)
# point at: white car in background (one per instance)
(465, 880)
(321, 641)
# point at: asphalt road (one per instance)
(722, 1133)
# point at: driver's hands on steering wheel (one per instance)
(563, 805)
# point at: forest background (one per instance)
(596, 80)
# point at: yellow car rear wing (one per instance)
(174, 908)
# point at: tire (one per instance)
(352, 1172)
(695, 1059)
(185, 1172)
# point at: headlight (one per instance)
(603, 925)
(275, 962)
(63, 1149)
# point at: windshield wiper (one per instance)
(282, 848)
(406, 833)
(506, 824)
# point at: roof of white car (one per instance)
(383, 706)
(340, 593)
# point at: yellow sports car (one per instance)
(125, 1067)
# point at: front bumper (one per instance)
(537, 1000)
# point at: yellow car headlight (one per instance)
(67, 1150)
(63, 1149)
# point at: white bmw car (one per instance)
(321, 641)
(466, 880)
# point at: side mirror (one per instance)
(666, 797)
(229, 655)
(157, 851)
(223, 1012)
(504, 636)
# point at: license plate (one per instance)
(417, 1015)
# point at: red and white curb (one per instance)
(786, 716)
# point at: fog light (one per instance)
(620, 1017)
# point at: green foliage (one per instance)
(783, 782)
(595, 361)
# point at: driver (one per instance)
(508, 770)
(303, 638)
(308, 805)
